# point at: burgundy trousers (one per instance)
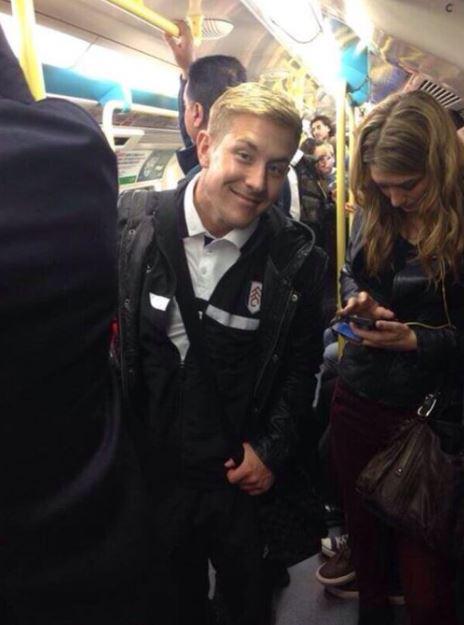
(359, 429)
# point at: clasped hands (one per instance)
(388, 333)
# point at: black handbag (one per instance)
(416, 486)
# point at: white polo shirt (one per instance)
(208, 258)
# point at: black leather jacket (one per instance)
(404, 378)
(291, 324)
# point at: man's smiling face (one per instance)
(243, 171)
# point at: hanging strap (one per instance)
(186, 300)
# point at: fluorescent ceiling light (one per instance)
(357, 18)
(129, 70)
(53, 47)
(96, 61)
(297, 19)
(300, 29)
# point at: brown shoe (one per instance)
(338, 570)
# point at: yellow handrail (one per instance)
(195, 20)
(138, 9)
(341, 197)
(351, 131)
(23, 11)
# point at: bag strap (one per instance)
(185, 296)
(433, 401)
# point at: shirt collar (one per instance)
(237, 236)
(297, 157)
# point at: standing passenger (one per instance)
(74, 516)
(322, 128)
(202, 82)
(404, 269)
(221, 339)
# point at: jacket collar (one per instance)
(187, 158)
(290, 241)
(194, 226)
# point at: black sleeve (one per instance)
(180, 104)
(13, 85)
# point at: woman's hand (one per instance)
(364, 305)
(388, 335)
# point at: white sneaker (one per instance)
(333, 544)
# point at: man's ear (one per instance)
(198, 116)
(203, 144)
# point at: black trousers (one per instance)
(130, 605)
(195, 526)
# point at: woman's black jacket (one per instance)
(404, 378)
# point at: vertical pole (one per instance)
(195, 20)
(23, 11)
(340, 181)
(351, 129)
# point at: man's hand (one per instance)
(252, 476)
(182, 47)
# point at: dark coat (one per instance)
(290, 353)
(290, 333)
(69, 521)
(404, 378)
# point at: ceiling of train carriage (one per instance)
(102, 24)
(249, 40)
(412, 43)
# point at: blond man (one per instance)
(221, 338)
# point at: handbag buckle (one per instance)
(428, 405)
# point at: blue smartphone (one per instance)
(362, 322)
(343, 328)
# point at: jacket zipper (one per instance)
(275, 343)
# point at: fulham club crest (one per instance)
(254, 298)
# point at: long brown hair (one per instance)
(405, 134)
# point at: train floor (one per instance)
(304, 601)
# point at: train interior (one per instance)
(115, 64)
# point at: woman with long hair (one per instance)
(404, 271)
